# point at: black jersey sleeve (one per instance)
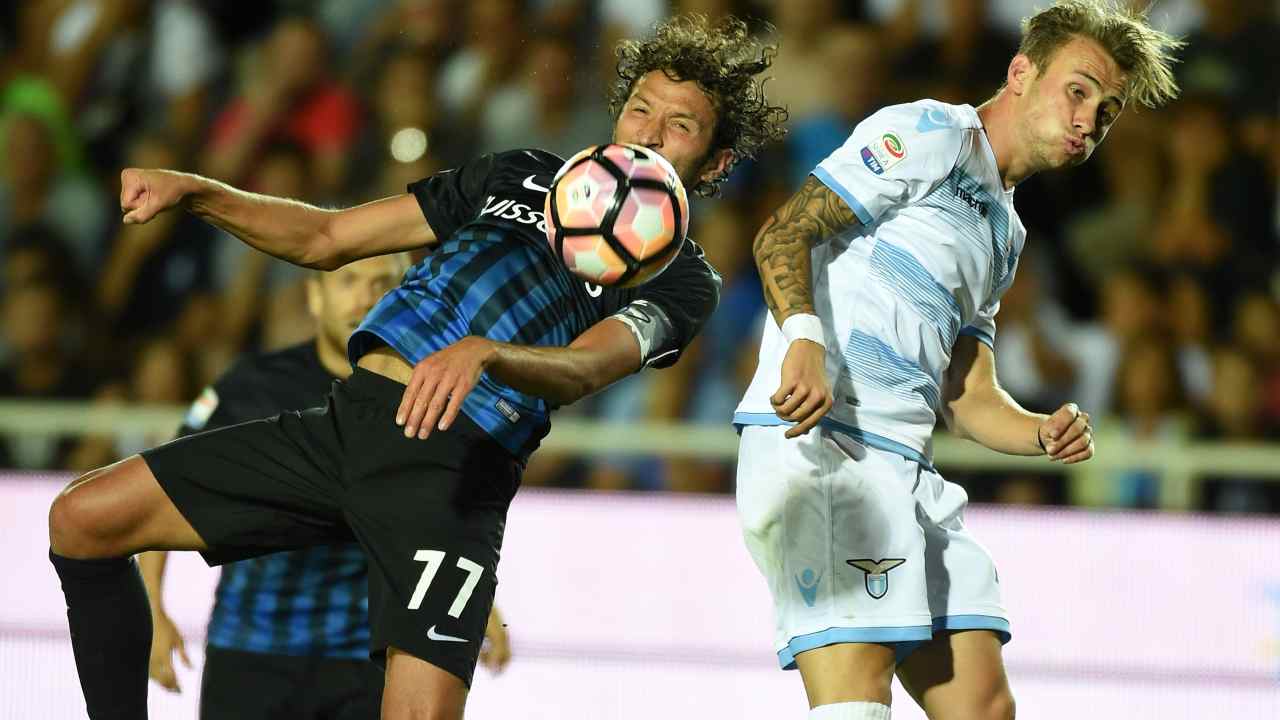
(452, 198)
(670, 310)
(231, 399)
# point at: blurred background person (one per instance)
(290, 94)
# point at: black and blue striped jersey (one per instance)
(494, 274)
(305, 602)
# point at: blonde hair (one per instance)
(1144, 54)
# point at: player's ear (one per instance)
(315, 296)
(1020, 73)
(716, 165)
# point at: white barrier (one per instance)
(1179, 465)
(646, 605)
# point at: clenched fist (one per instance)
(1066, 435)
(144, 193)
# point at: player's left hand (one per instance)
(1066, 435)
(434, 394)
(496, 652)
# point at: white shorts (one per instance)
(860, 544)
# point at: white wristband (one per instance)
(803, 326)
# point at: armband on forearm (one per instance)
(651, 328)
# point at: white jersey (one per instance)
(937, 247)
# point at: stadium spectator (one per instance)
(1130, 305)
(1256, 330)
(549, 108)
(490, 60)
(152, 270)
(844, 51)
(1150, 408)
(262, 298)
(1235, 38)
(1236, 412)
(1116, 230)
(42, 364)
(184, 60)
(1031, 360)
(290, 95)
(802, 77)
(721, 362)
(405, 124)
(91, 51)
(36, 186)
(1213, 215)
(1191, 319)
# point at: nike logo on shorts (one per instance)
(433, 635)
(529, 184)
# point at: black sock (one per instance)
(110, 623)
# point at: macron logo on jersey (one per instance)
(807, 583)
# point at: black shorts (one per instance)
(239, 685)
(429, 514)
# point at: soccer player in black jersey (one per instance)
(289, 632)
(418, 454)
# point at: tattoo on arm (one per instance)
(782, 246)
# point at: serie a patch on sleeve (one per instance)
(202, 409)
(888, 150)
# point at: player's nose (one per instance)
(649, 135)
(1084, 125)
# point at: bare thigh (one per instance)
(115, 511)
(418, 690)
(847, 672)
(959, 676)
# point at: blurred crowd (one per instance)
(1148, 293)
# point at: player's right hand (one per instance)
(165, 639)
(803, 397)
(144, 193)
(496, 651)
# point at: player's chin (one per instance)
(1073, 159)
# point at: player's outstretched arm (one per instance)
(165, 637)
(781, 252)
(605, 353)
(976, 407)
(290, 230)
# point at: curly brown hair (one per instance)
(724, 60)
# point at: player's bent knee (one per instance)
(418, 690)
(75, 527)
(1001, 707)
(103, 513)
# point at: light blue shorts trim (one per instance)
(905, 640)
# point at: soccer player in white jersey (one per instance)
(883, 274)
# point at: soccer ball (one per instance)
(617, 214)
